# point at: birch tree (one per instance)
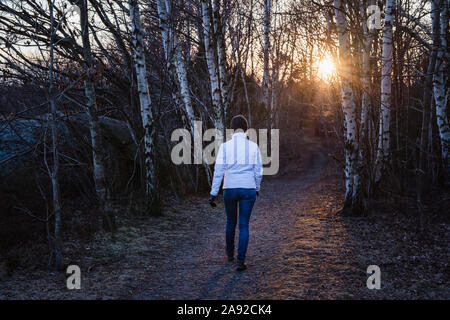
(212, 65)
(219, 31)
(440, 77)
(147, 116)
(57, 250)
(366, 125)
(266, 75)
(383, 153)
(174, 57)
(352, 182)
(176, 64)
(98, 154)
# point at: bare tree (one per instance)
(212, 64)
(441, 97)
(98, 147)
(219, 30)
(147, 115)
(352, 179)
(57, 250)
(174, 56)
(384, 139)
(427, 94)
(266, 75)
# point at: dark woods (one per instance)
(91, 91)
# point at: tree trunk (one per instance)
(57, 251)
(365, 103)
(221, 56)
(427, 96)
(174, 57)
(266, 76)
(440, 94)
(212, 65)
(98, 155)
(147, 116)
(247, 100)
(365, 152)
(353, 195)
(383, 153)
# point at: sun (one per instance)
(325, 69)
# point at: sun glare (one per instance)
(325, 68)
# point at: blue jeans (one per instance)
(246, 199)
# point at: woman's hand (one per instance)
(211, 200)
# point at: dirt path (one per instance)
(295, 250)
(299, 249)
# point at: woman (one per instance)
(239, 162)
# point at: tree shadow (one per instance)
(221, 278)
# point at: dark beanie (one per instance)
(239, 122)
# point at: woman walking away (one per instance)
(239, 162)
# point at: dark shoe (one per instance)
(230, 258)
(241, 266)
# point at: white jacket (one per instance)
(239, 160)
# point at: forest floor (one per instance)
(299, 248)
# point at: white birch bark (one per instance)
(212, 65)
(352, 182)
(221, 56)
(167, 35)
(439, 79)
(365, 145)
(98, 156)
(174, 57)
(383, 153)
(145, 103)
(266, 76)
